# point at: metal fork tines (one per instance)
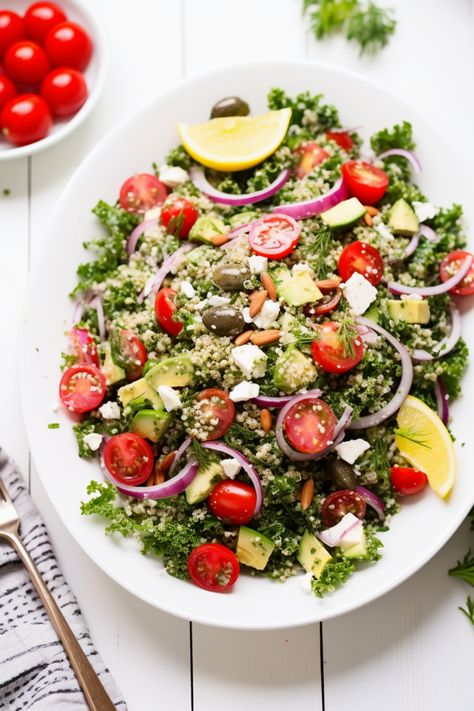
(9, 518)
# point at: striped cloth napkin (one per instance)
(34, 670)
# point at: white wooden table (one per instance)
(410, 650)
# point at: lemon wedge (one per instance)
(426, 443)
(235, 142)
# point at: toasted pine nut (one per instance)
(368, 220)
(269, 285)
(328, 284)
(243, 338)
(307, 493)
(166, 463)
(218, 240)
(256, 301)
(266, 420)
(264, 338)
(158, 476)
(371, 210)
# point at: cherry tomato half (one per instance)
(68, 45)
(329, 352)
(339, 503)
(407, 481)
(312, 155)
(12, 29)
(128, 352)
(213, 567)
(178, 216)
(451, 265)
(8, 90)
(216, 405)
(233, 502)
(342, 139)
(40, 18)
(164, 310)
(84, 346)
(362, 258)
(365, 181)
(82, 388)
(128, 458)
(142, 192)
(26, 62)
(25, 119)
(309, 425)
(328, 303)
(274, 236)
(65, 91)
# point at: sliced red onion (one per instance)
(335, 535)
(403, 389)
(442, 401)
(96, 303)
(200, 181)
(345, 129)
(429, 233)
(447, 344)
(137, 233)
(179, 453)
(411, 158)
(372, 500)
(245, 464)
(412, 245)
(268, 401)
(367, 335)
(309, 208)
(154, 282)
(78, 312)
(240, 230)
(442, 288)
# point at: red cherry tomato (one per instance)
(309, 425)
(362, 258)
(128, 458)
(365, 182)
(129, 353)
(451, 265)
(65, 91)
(214, 405)
(84, 346)
(328, 351)
(82, 388)
(40, 18)
(233, 502)
(142, 192)
(407, 481)
(164, 310)
(338, 504)
(8, 90)
(12, 29)
(178, 216)
(311, 156)
(328, 303)
(68, 45)
(26, 62)
(25, 119)
(213, 567)
(342, 139)
(274, 236)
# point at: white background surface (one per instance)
(410, 650)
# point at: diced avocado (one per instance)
(203, 483)
(312, 554)
(151, 424)
(373, 314)
(293, 371)
(199, 255)
(176, 372)
(409, 310)
(253, 548)
(355, 550)
(113, 373)
(205, 228)
(242, 218)
(402, 219)
(343, 215)
(140, 392)
(297, 288)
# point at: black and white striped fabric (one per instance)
(34, 670)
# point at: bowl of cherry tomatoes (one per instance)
(53, 66)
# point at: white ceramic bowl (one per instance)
(95, 75)
(422, 527)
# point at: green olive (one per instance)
(223, 320)
(230, 106)
(341, 473)
(230, 277)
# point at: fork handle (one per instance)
(95, 693)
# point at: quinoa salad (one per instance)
(264, 345)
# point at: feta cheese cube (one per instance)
(425, 210)
(244, 391)
(110, 411)
(93, 440)
(257, 264)
(201, 305)
(170, 397)
(267, 315)
(359, 292)
(246, 315)
(231, 467)
(173, 175)
(251, 360)
(218, 300)
(188, 289)
(153, 214)
(351, 450)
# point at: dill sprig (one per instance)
(469, 609)
(464, 569)
(321, 248)
(202, 456)
(411, 435)
(346, 334)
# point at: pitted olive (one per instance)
(230, 277)
(230, 106)
(223, 320)
(341, 473)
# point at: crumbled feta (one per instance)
(244, 391)
(110, 411)
(359, 292)
(355, 534)
(425, 210)
(257, 265)
(301, 268)
(267, 315)
(170, 397)
(93, 440)
(352, 449)
(231, 467)
(251, 360)
(246, 315)
(343, 531)
(218, 300)
(188, 289)
(305, 582)
(411, 297)
(201, 305)
(383, 231)
(173, 175)
(153, 214)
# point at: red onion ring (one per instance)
(96, 303)
(200, 181)
(77, 312)
(335, 535)
(442, 288)
(277, 402)
(240, 230)
(410, 157)
(173, 261)
(424, 231)
(412, 245)
(429, 233)
(403, 389)
(179, 453)
(345, 129)
(372, 500)
(309, 208)
(442, 401)
(245, 464)
(137, 233)
(447, 344)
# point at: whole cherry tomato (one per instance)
(68, 45)
(65, 91)
(26, 62)
(40, 18)
(25, 119)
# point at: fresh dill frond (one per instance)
(411, 435)
(464, 569)
(346, 334)
(202, 456)
(321, 247)
(469, 609)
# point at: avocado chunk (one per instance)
(205, 228)
(343, 215)
(176, 372)
(253, 548)
(139, 393)
(242, 218)
(402, 219)
(312, 554)
(373, 314)
(355, 550)
(409, 310)
(204, 482)
(297, 288)
(113, 372)
(151, 424)
(293, 371)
